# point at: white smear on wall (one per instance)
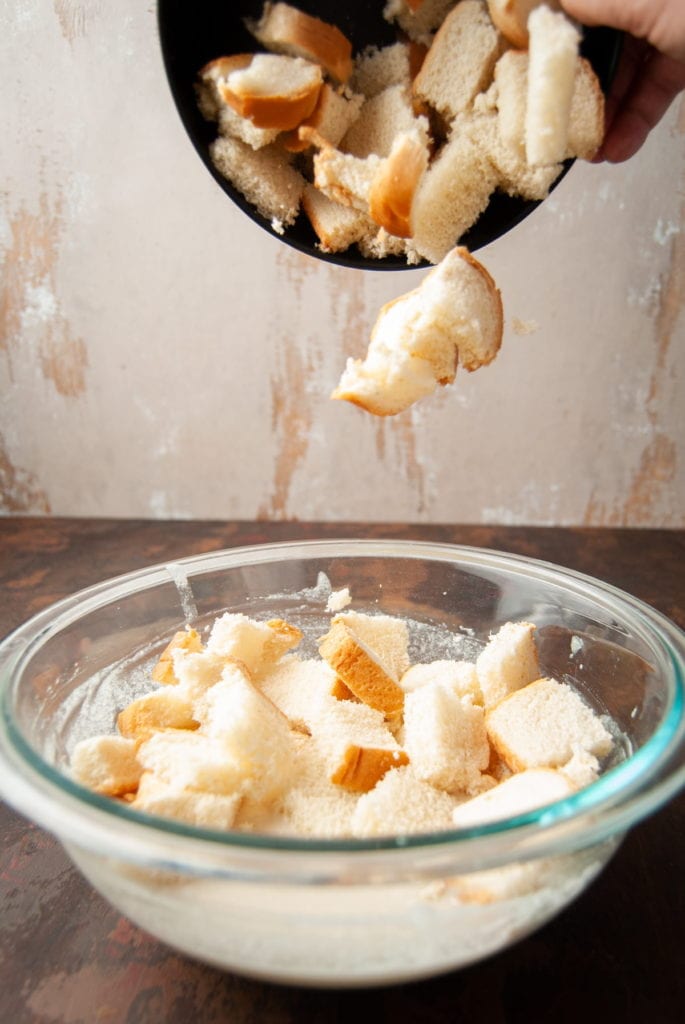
(40, 305)
(664, 231)
(645, 298)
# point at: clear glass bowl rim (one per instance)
(620, 798)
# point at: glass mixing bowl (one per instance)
(332, 912)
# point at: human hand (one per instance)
(651, 70)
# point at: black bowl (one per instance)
(191, 34)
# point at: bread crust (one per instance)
(511, 18)
(284, 110)
(394, 186)
(362, 767)
(183, 640)
(286, 29)
(360, 671)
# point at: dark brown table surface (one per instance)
(616, 954)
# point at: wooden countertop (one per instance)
(66, 957)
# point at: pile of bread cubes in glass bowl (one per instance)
(342, 762)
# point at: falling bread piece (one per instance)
(454, 316)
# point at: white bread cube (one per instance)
(162, 709)
(345, 178)
(107, 765)
(445, 738)
(401, 804)
(355, 741)
(196, 671)
(387, 635)
(337, 226)
(459, 676)
(313, 805)
(377, 68)
(258, 645)
(451, 196)
(508, 662)
(380, 120)
(254, 733)
(264, 177)
(192, 760)
(460, 61)
(206, 810)
(543, 725)
(552, 59)
(361, 668)
(183, 640)
(297, 687)
(518, 794)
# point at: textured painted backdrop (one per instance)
(162, 356)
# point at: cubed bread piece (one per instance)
(361, 669)
(192, 760)
(387, 635)
(337, 225)
(513, 173)
(356, 740)
(461, 59)
(313, 805)
(418, 18)
(511, 18)
(273, 90)
(344, 178)
(453, 193)
(258, 645)
(445, 738)
(401, 804)
(377, 68)
(508, 661)
(454, 315)
(552, 59)
(459, 676)
(516, 795)
(586, 121)
(381, 119)
(254, 733)
(161, 709)
(283, 28)
(543, 725)
(184, 640)
(214, 107)
(107, 765)
(196, 671)
(206, 810)
(297, 687)
(331, 119)
(263, 176)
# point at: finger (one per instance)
(631, 63)
(660, 22)
(648, 99)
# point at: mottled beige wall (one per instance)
(162, 356)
